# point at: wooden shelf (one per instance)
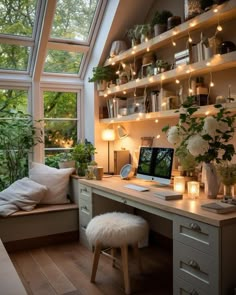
(226, 11)
(203, 111)
(216, 63)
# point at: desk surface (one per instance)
(185, 207)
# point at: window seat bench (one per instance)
(46, 224)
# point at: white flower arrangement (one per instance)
(205, 138)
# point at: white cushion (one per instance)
(115, 229)
(23, 194)
(56, 180)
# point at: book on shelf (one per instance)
(219, 207)
(168, 195)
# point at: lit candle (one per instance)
(193, 189)
(179, 184)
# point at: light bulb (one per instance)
(219, 28)
(212, 84)
(190, 40)
(148, 49)
(173, 43)
(177, 81)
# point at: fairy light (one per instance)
(148, 49)
(113, 63)
(156, 121)
(190, 40)
(134, 92)
(219, 28)
(177, 81)
(123, 65)
(158, 136)
(173, 43)
(211, 82)
(124, 92)
(215, 10)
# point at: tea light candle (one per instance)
(193, 189)
(179, 184)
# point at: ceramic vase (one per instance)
(212, 182)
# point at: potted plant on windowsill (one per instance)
(66, 160)
(159, 21)
(102, 75)
(82, 154)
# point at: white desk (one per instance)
(204, 243)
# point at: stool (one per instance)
(116, 230)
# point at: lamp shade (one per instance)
(108, 134)
(122, 133)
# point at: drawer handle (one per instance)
(193, 292)
(195, 226)
(83, 190)
(84, 208)
(194, 264)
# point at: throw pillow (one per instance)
(56, 180)
(23, 194)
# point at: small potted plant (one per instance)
(66, 160)
(133, 36)
(159, 21)
(143, 32)
(82, 154)
(102, 75)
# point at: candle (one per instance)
(179, 184)
(193, 189)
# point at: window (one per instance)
(61, 117)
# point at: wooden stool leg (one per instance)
(96, 256)
(113, 254)
(138, 257)
(124, 257)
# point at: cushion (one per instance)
(23, 194)
(56, 180)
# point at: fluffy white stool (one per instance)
(116, 230)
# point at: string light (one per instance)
(190, 40)
(177, 81)
(211, 82)
(173, 43)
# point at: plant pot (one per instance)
(82, 168)
(101, 85)
(159, 29)
(67, 164)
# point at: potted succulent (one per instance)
(159, 21)
(82, 154)
(102, 75)
(143, 32)
(133, 36)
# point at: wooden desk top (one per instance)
(185, 207)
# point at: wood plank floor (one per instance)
(65, 269)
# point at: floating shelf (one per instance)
(203, 111)
(226, 11)
(216, 63)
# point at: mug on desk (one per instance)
(98, 172)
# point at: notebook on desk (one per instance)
(168, 195)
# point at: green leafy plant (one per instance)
(206, 138)
(103, 74)
(18, 134)
(161, 18)
(83, 152)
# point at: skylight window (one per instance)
(17, 17)
(73, 19)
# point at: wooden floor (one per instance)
(65, 269)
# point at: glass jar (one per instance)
(191, 8)
(228, 191)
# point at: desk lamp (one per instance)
(108, 135)
(122, 133)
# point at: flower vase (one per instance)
(212, 182)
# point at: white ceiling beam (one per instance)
(43, 40)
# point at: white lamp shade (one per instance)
(108, 135)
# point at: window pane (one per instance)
(60, 134)
(17, 17)
(13, 99)
(73, 19)
(60, 104)
(59, 61)
(13, 57)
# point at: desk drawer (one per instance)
(85, 212)
(196, 234)
(196, 267)
(85, 192)
(182, 287)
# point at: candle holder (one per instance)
(193, 189)
(179, 184)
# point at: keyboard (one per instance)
(138, 188)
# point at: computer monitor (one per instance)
(155, 163)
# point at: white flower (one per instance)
(173, 135)
(223, 126)
(197, 145)
(210, 126)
